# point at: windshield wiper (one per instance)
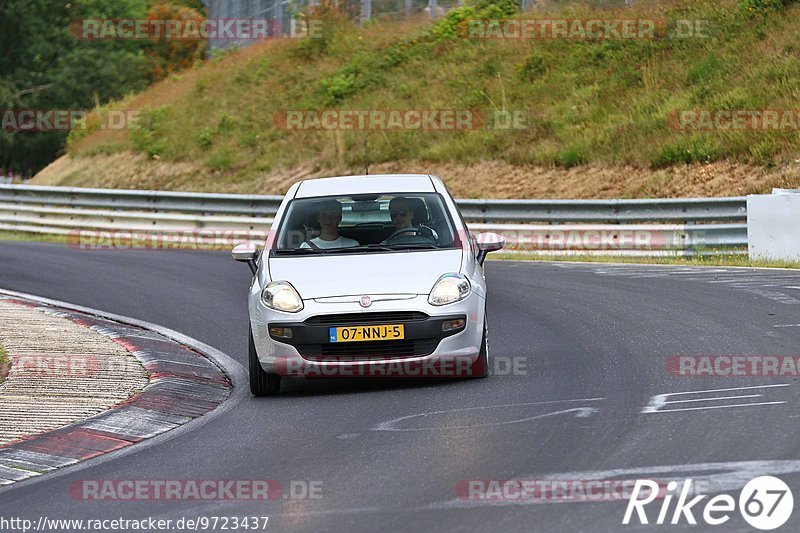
(360, 248)
(357, 249)
(395, 247)
(412, 246)
(313, 251)
(300, 251)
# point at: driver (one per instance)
(401, 213)
(329, 215)
(402, 216)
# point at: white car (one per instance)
(367, 276)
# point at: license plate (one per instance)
(387, 332)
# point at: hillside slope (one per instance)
(597, 111)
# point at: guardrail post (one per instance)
(366, 10)
(432, 9)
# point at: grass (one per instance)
(722, 259)
(5, 363)
(590, 102)
(20, 236)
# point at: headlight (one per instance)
(281, 296)
(449, 289)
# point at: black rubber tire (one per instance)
(261, 383)
(480, 368)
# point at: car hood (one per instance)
(322, 276)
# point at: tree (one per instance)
(43, 65)
(170, 55)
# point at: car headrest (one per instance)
(420, 210)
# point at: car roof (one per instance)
(372, 184)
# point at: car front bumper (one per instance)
(426, 351)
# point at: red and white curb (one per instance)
(184, 384)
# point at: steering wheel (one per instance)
(429, 232)
(403, 231)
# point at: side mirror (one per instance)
(247, 252)
(489, 242)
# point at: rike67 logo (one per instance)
(765, 503)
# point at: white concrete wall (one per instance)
(773, 226)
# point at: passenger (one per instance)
(329, 215)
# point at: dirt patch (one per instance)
(487, 179)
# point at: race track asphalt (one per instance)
(590, 344)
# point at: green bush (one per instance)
(495, 8)
(205, 137)
(453, 24)
(685, 151)
(221, 160)
(533, 67)
(146, 136)
(571, 157)
(339, 87)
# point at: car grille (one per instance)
(367, 350)
(348, 319)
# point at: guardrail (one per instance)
(688, 210)
(120, 199)
(638, 227)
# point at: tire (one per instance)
(480, 368)
(261, 383)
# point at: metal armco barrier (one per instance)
(640, 227)
(691, 210)
(120, 199)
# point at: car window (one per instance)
(366, 224)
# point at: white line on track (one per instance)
(730, 389)
(714, 407)
(717, 398)
(659, 401)
(580, 412)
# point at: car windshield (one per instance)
(366, 223)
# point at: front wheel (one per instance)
(261, 383)
(480, 368)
